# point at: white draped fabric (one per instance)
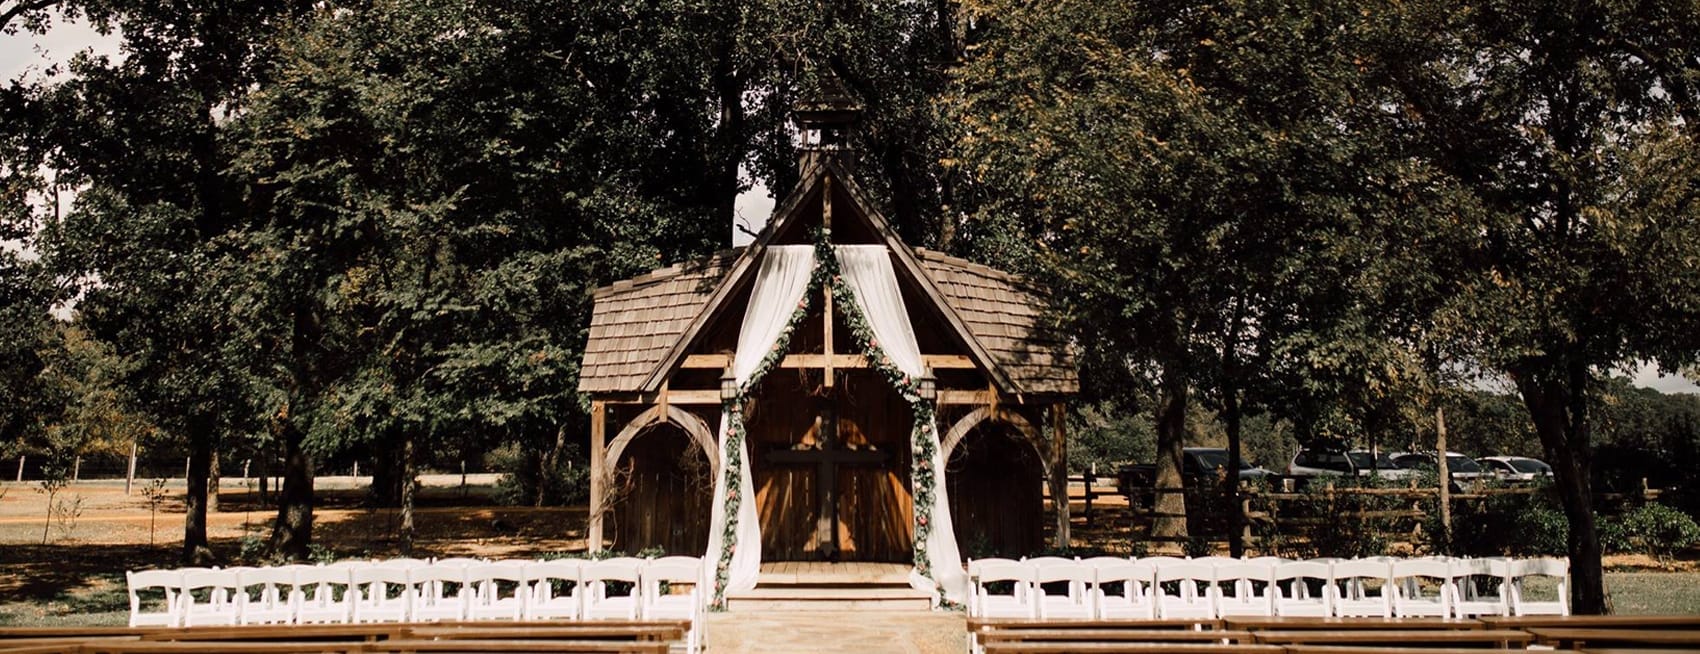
(866, 269)
(779, 288)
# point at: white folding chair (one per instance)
(1191, 597)
(1103, 561)
(458, 562)
(1018, 603)
(381, 593)
(1411, 581)
(209, 597)
(403, 563)
(1075, 600)
(439, 593)
(1134, 601)
(323, 594)
(602, 582)
(1301, 589)
(556, 592)
(498, 591)
(1362, 588)
(1481, 587)
(1244, 588)
(148, 612)
(1522, 571)
(266, 595)
(682, 599)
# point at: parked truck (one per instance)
(1199, 466)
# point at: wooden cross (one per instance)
(827, 455)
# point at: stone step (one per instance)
(797, 597)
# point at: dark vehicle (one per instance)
(1199, 466)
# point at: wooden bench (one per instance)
(1297, 623)
(1592, 637)
(9, 648)
(495, 646)
(583, 631)
(994, 634)
(975, 624)
(223, 647)
(1397, 637)
(1047, 647)
(1592, 621)
(8, 634)
(1349, 649)
(280, 632)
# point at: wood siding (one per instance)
(662, 491)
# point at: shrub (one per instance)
(1659, 530)
(1538, 530)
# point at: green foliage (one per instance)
(526, 482)
(1339, 524)
(1107, 436)
(1659, 530)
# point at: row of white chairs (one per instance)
(416, 590)
(1217, 587)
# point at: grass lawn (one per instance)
(1641, 593)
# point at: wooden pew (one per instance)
(1047, 647)
(1398, 637)
(1298, 623)
(298, 633)
(221, 646)
(8, 634)
(974, 624)
(498, 646)
(994, 634)
(582, 631)
(1348, 649)
(1592, 621)
(10, 648)
(1596, 637)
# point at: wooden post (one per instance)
(1445, 475)
(598, 443)
(130, 474)
(77, 468)
(1059, 474)
(826, 312)
(20, 468)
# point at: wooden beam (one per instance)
(968, 397)
(598, 445)
(826, 290)
(688, 397)
(934, 361)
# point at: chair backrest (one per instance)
(1436, 568)
(1019, 573)
(437, 573)
(402, 563)
(974, 565)
(269, 582)
(623, 568)
(1071, 571)
(1047, 560)
(168, 583)
(459, 562)
(554, 570)
(1162, 560)
(1362, 569)
(673, 569)
(1135, 577)
(1300, 570)
(1102, 561)
(1245, 571)
(513, 571)
(380, 574)
(209, 578)
(1186, 570)
(1522, 570)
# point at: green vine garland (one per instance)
(923, 439)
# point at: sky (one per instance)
(27, 53)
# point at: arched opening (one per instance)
(996, 482)
(661, 490)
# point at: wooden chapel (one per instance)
(828, 437)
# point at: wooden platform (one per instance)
(822, 586)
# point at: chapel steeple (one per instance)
(827, 118)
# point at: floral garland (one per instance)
(923, 441)
(732, 408)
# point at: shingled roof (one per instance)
(634, 322)
(641, 328)
(1006, 316)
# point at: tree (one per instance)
(1211, 186)
(1571, 127)
(144, 136)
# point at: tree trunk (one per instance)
(195, 550)
(409, 490)
(1168, 522)
(1559, 410)
(293, 531)
(1231, 480)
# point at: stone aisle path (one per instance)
(846, 632)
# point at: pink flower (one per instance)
(921, 520)
(875, 343)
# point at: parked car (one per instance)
(1199, 465)
(1516, 468)
(1462, 468)
(1309, 462)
